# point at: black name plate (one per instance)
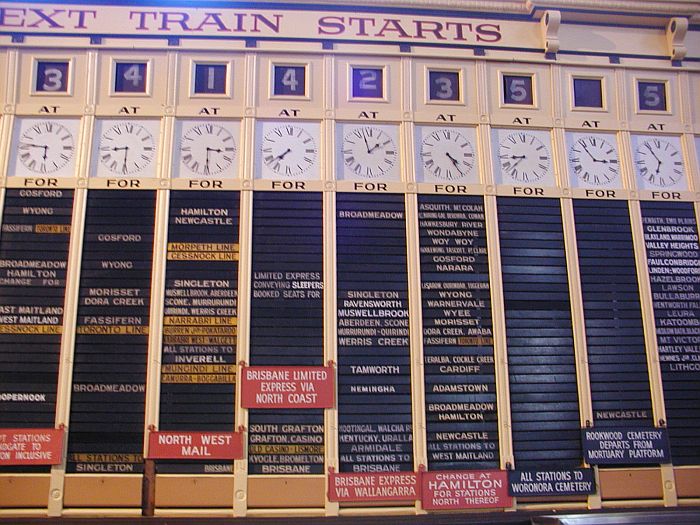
(625, 446)
(566, 482)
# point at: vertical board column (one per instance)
(200, 318)
(541, 362)
(613, 318)
(109, 375)
(673, 259)
(460, 383)
(286, 327)
(34, 241)
(374, 377)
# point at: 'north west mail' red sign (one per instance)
(195, 445)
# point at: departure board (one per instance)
(539, 338)
(673, 258)
(33, 259)
(617, 360)
(109, 373)
(460, 384)
(286, 325)
(200, 317)
(374, 379)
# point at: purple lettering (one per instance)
(493, 33)
(173, 17)
(43, 17)
(213, 19)
(275, 26)
(81, 17)
(142, 18)
(362, 23)
(391, 24)
(459, 27)
(7, 13)
(331, 25)
(436, 29)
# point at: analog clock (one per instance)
(207, 148)
(126, 148)
(447, 154)
(45, 147)
(658, 161)
(523, 157)
(368, 151)
(289, 150)
(593, 160)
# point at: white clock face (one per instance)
(288, 150)
(44, 147)
(369, 152)
(658, 162)
(524, 156)
(593, 159)
(206, 149)
(446, 154)
(126, 148)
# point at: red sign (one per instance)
(465, 489)
(287, 387)
(30, 446)
(374, 486)
(195, 445)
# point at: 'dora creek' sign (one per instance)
(35, 446)
(287, 387)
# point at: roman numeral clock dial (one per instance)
(289, 150)
(126, 148)
(523, 156)
(447, 154)
(658, 161)
(45, 147)
(369, 151)
(593, 159)
(207, 148)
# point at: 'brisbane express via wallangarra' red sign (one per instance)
(287, 387)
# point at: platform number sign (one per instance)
(444, 85)
(367, 82)
(652, 96)
(210, 79)
(51, 77)
(517, 89)
(130, 77)
(588, 93)
(289, 81)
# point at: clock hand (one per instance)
(367, 145)
(283, 154)
(591, 156)
(454, 161)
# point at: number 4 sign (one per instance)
(130, 77)
(289, 81)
